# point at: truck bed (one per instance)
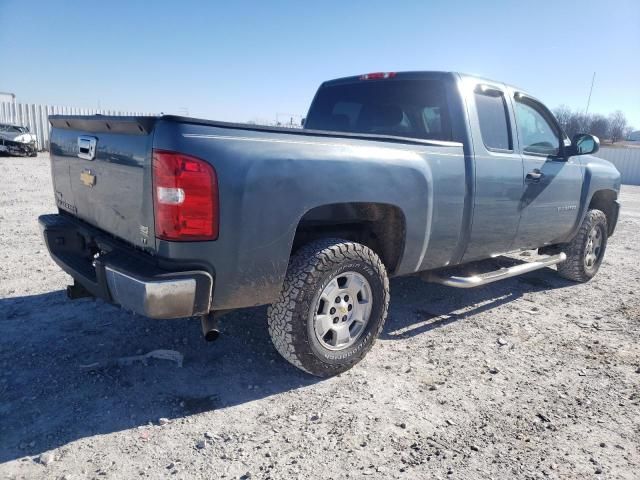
(269, 179)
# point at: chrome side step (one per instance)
(490, 277)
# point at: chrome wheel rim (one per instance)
(593, 249)
(342, 311)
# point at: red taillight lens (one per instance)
(185, 197)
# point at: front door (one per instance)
(550, 201)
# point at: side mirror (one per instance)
(584, 144)
(302, 122)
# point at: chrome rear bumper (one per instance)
(125, 276)
(170, 298)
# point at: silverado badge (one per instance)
(88, 178)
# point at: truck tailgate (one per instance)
(101, 169)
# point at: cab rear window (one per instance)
(405, 108)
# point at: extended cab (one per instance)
(393, 174)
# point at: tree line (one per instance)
(613, 127)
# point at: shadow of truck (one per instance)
(48, 399)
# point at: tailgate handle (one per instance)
(87, 147)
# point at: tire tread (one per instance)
(306, 268)
(573, 267)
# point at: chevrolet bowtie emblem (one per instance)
(88, 178)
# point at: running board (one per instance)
(490, 277)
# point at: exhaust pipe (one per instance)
(210, 328)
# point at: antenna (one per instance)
(593, 79)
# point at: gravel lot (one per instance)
(533, 377)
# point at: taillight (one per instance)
(185, 197)
(377, 75)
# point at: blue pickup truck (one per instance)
(393, 174)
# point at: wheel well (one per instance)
(604, 200)
(379, 226)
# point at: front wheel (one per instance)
(586, 251)
(332, 306)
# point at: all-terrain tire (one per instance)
(575, 267)
(291, 317)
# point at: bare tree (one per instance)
(598, 126)
(576, 123)
(563, 114)
(617, 126)
(614, 127)
(628, 131)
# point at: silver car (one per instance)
(17, 140)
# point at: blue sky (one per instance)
(251, 60)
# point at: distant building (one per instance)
(6, 97)
(7, 107)
(634, 136)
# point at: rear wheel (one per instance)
(332, 306)
(586, 251)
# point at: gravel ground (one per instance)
(533, 377)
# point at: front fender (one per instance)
(599, 175)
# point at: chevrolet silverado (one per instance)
(393, 174)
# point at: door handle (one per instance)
(533, 176)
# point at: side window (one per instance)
(494, 120)
(537, 135)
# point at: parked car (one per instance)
(393, 174)
(17, 140)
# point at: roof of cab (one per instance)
(411, 75)
(422, 74)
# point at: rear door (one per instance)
(498, 170)
(102, 174)
(552, 182)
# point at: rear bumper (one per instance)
(111, 270)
